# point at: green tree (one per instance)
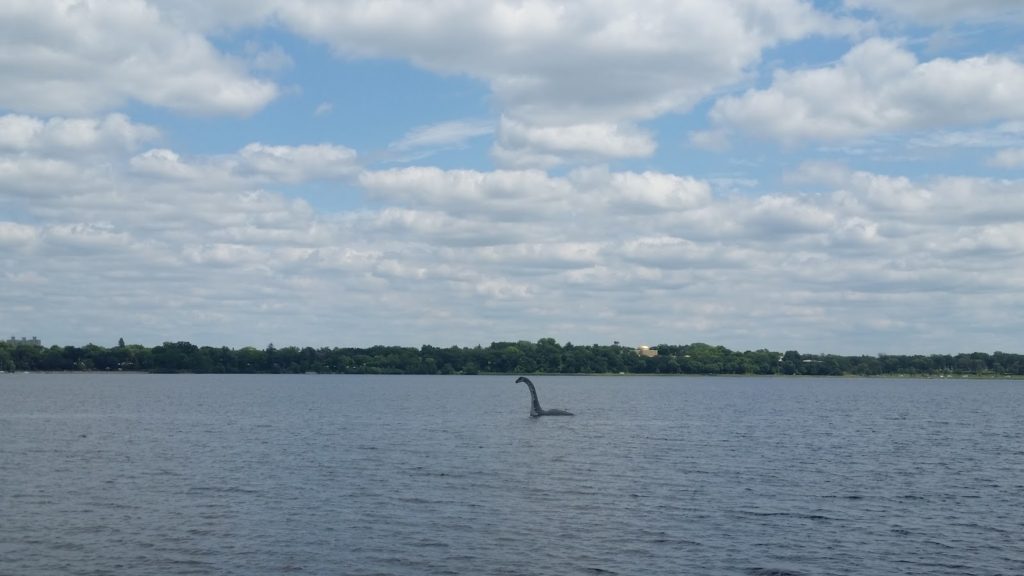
(6, 360)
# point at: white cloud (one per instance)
(671, 252)
(999, 239)
(77, 135)
(162, 162)
(31, 176)
(19, 132)
(564, 71)
(504, 194)
(935, 202)
(520, 144)
(187, 246)
(255, 162)
(297, 163)
(538, 255)
(221, 254)
(514, 196)
(83, 57)
(646, 192)
(525, 158)
(218, 16)
(444, 134)
(663, 192)
(85, 236)
(14, 234)
(780, 216)
(272, 58)
(878, 87)
(424, 230)
(1003, 135)
(1009, 158)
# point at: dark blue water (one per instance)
(251, 475)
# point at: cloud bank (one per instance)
(578, 209)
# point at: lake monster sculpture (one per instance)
(535, 409)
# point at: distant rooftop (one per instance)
(33, 341)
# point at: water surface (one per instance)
(251, 475)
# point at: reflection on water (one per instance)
(146, 474)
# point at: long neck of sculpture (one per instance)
(535, 406)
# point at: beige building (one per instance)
(646, 351)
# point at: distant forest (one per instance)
(544, 356)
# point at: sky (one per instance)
(841, 176)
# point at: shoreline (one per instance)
(536, 375)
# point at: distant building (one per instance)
(646, 352)
(33, 341)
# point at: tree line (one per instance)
(543, 356)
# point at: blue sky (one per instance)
(841, 176)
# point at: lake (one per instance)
(410, 475)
